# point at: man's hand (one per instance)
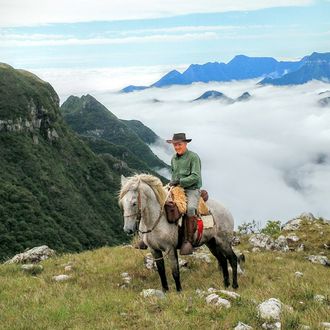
(174, 183)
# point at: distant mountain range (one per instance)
(315, 66)
(215, 95)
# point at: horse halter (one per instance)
(139, 212)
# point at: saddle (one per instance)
(176, 205)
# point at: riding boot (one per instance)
(140, 245)
(186, 247)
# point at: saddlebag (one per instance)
(172, 212)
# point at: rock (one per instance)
(126, 278)
(68, 268)
(235, 241)
(325, 325)
(149, 262)
(202, 256)
(319, 298)
(212, 290)
(61, 278)
(242, 326)
(270, 309)
(262, 241)
(272, 326)
(183, 263)
(230, 294)
(292, 238)
(304, 327)
(281, 244)
(214, 299)
(301, 248)
(153, 293)
(34, 255)
(299, 274)
(293, 224)
(32, 269)
(255, 249)
(323, 260)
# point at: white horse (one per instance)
(142, 198)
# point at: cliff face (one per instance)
(53, 189)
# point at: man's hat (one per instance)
(177, 137)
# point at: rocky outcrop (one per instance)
(36, 121)
(270, 310)
(264, 241)
(34, 255)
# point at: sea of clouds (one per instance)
(264, 159)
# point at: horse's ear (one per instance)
(123, 180)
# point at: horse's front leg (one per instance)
(173, 256)
(158, 257)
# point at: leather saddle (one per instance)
(173, 213)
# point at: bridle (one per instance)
(139, 214)
(139, 211)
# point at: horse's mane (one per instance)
(152, 181)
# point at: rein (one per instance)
(159, 217)
(139, 213)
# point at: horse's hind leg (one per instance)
(173, 255)
(222, 261)
(158, 256)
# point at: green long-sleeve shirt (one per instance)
(187, 169)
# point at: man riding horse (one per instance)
(186, 172)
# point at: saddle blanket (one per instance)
(208, 221)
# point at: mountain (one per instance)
(145, 133)
(244, 97)
(240, 67)
(132, 88)
(315, 66)
(53, 189)
(214, 95)
(324, 102)
(91, 119)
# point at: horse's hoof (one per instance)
(235, 286)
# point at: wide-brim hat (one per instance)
(178, 137)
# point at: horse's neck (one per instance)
(151, 212)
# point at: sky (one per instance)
(126, 38)
(267, 159)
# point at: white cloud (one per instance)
(101, 80)
(267, 158)
(37, 12)
(6, 42)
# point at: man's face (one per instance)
(180, 147)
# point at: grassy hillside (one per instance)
(53, 189)
(95, 297)
(89, 118)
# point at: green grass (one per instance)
(94, 298)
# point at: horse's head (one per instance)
(130, 203)
(138, 193)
